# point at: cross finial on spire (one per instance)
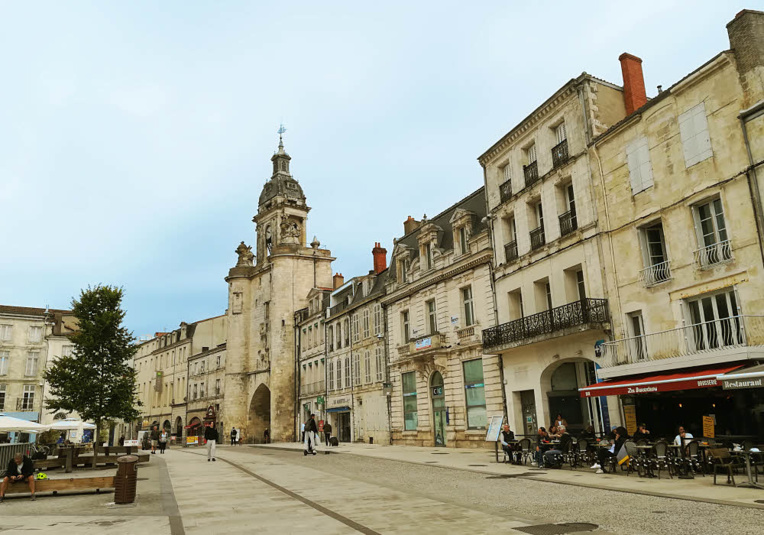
(280, 132)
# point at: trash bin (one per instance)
(126, 479)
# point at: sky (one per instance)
(135, 137)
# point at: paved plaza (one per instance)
(383, 489)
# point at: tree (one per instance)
(97, 380)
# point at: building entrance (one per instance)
(438, 408)
(343, 427)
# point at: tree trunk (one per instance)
(96, 439)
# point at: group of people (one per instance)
(158, 439)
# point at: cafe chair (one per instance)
(723, 461)
(661, 459)
(633, 463)
(525, 450)
(694, 457)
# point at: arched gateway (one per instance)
(259, 418)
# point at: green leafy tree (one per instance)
(97, 380)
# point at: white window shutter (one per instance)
(693, 129)
(638, 160)
(645, 169)
(687, 133)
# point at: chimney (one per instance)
(634, 96)
(746, 34)
(380, 258)
(338, 280)
(410, 225)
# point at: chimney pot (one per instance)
(380, 258)
(634, 95)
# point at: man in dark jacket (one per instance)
(606, 454)
(211, 436)
(20, 469)
(327, 432)
(311, 431)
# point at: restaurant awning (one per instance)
(195, 424)
(664, 382)
(741, 378)
(338, 409)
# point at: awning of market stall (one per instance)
(664, 382)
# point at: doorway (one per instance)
(438, 408)
(528, 404)
(343, 426)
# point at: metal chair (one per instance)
(694, 458)
(525, 450)
(661, 459)
(633, 463)
(723, 461)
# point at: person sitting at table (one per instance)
(541, 438)
(559, 421)
(683, 437)
(505, 437)
(605, 454)
(588, 434)
(642, 433)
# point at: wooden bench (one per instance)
(73, 483)
(46, 464)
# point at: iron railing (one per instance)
(568, 222)
(714, 335)
(560, 153)
(531, 174)
(312, 388)
(583, 312)
(715, 253)
(505, 191)
(656, 274)
(537, 237)
(510, 251)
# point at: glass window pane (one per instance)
(476, 417)
(473, 371)
(409, 382)
(475, 396)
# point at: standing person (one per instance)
(154, 439)
(311, 429)
(163, 438)
(121, 440)
(20, 469)
(211, 436)
(327, 432)
(233, 436)
(267, 436)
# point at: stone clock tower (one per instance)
(265, 289)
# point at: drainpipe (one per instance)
(753, 184)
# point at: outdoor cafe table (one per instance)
(750, 483)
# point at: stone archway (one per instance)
(167, 425)
(259, 417)
(179, 427)
(560, 382)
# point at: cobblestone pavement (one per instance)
(285, 492)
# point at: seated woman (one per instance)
(605, 455)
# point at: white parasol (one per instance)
(9, 423)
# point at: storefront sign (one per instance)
(630, 418)
(320, 400)
(668, 382)
(192, 441)
(737, 384)
(437, 391)
(494, 427)
(708, 427)
(338, 402)
(423, 343)
(132, 443)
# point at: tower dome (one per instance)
(282, 184)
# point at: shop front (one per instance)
(338, 410)
(689, 398)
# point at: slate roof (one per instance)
(30, 311)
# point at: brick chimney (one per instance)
(634, 95)
(380, 258)
(410, 225)
(746, 34)
(338, 280)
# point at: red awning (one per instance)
(195, 424)
(665, 382)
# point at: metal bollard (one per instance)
(125, 481)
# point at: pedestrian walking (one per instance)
(327, 432)
(163, 438)
(211, 436)
(267, 436)
(311, 433)
(234, 434)
(154, 436)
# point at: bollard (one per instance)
(125, 481)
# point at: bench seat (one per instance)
(73, 483)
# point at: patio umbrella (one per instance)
(72, 424)
(9, 423)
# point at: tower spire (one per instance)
(281, 130)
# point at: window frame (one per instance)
(468, 299)
(432, 316)
(470, 385)
(407, 422)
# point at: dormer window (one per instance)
(464, 246)
(403, 268)
(427, 256)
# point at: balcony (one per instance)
(589, 313)
(310, 389)
(336, 309)
(510, 251)
(716, 253)
(710, 342)
(505, 191)
(426, 343)
(468, 334)
(568, 222)
(560, 153)
(531, 174)
(537, 238)
(656, 274)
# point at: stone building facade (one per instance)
(550, 297)
(206, 392)
(265, 289)
(438, 298)
(310, 331)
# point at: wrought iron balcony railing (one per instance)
(560, 153)
(700, 338)
(656, 274)
(510, 251)
(715, 253)
(531, 173)
(505, 191)
(583, 312)
(568, 222)
(537, 237)
(312, 388)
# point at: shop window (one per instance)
(410, 417)
(475, 394)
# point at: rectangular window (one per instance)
(330, 375)
(693, 129)
(711, 230)
(405, 333)
(4, 357)
(378, 320)
(347, 372)
(356, 330)
(218, 362)
(195, 391)
(339, 374)
(516, 309)
(530, 154)
(347, 332)
(640, 170)
(35, 334)
(637, 346)
(330, 341)
(410, 420)
(469, 312)
(715, 321)
(560, 133)
(6, 332)
(463, 243)
(201, 390)
(217, 387)
(27, 403)
(506, 172)
(654, 254)
(357, 369)
(475, 394)
(366, 324)
(33, 359)
(339, 335)
(2, 397)
(432, 317)
(380, 364)
(427, 253)
(580, 285)
(367, 366)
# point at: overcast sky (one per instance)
(135, 136)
